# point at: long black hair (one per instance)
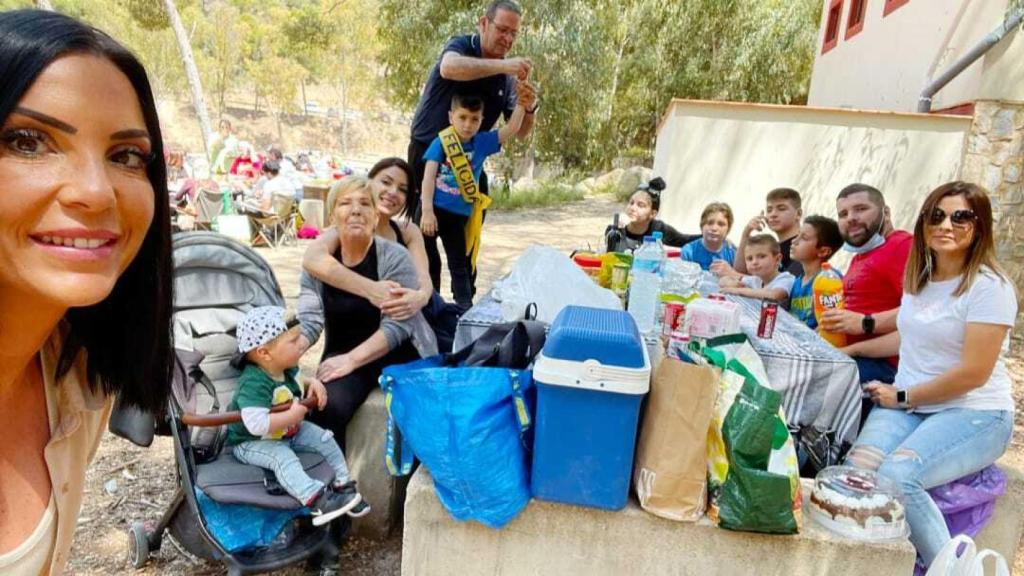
(412, 195)
(127, 336)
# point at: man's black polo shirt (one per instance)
(498, 93)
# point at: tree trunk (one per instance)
(44, 5)
(529, 163)
(302, 86)
(192, 73)
(344, 116)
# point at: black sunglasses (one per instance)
(959, 218)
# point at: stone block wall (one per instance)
(994, 158)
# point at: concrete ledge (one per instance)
(1004, 530)
(552, 538)
(364, 438)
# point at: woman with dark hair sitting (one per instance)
(85, 269)
(950, 411)
(641, 220)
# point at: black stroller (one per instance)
(216, 281)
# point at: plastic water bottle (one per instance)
(645, 284)
(661, 248)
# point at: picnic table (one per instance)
(820, 385)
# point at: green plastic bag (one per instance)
(750, 455)
(752, 498)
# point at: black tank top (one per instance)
(398, 233)
(348, 319)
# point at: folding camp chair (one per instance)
(209, 204)
(278, 226)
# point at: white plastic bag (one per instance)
(978, 566)
(551, 280)
(947, 563)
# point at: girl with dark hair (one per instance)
(85, 269)
(392, 180)
(642, 220)
(950, 411)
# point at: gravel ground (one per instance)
(128, 484)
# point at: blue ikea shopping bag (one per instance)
(468, 426)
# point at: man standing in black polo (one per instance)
(473, 64)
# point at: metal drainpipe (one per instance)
(924, 103)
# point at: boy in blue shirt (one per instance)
(446, 212)
(818, 241)
(715, 223)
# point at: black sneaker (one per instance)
(349, 488)
(330, 504)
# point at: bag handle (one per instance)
(519, 401)
(978, 567)
(402, 464)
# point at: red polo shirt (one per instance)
(874, 281)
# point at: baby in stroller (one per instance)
(270, 351)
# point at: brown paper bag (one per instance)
(671, 457)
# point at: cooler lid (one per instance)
(609, 337)
(593, 375)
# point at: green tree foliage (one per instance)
(608, 68)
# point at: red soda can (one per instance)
(674, 312)
(769, 313)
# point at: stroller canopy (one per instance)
(216, 281)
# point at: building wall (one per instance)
(890, 61)
(717, 151)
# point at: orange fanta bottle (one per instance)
(828, 295)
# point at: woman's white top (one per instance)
(932, 326)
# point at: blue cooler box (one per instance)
(591, 376)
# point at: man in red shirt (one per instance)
(873, 284)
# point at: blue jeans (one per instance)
(279, 456)
(922, 451)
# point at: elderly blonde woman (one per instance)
(360, 342)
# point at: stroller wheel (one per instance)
(138, 545)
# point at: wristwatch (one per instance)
(868, 324)
(902, 399)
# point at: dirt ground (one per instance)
(127, 484)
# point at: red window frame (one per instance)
(833, 23)
(892, 5)
(855, 17)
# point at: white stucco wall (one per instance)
(736, 153)
(889, 63)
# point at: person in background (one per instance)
(223, 147)
(247, 164)
(764, 280)
(86, 273)
(641, 220)
(713, 245)
(949, 412)
(288, 170)
(818, 241)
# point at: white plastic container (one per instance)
(858, 504)
(711, 318)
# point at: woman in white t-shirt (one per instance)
(950, 411)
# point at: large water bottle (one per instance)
(645, 284)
